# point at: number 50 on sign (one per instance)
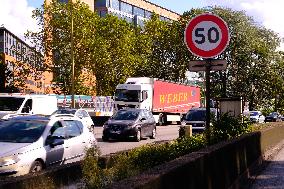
(206, 35)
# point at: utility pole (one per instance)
(72, 60)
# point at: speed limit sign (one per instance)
(206, 35)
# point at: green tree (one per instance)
(54, 40)
(251, 57)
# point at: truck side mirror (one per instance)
(144, 95)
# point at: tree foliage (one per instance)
(111, 49)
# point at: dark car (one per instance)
(130, 123)
(196, 117)
(273, 117)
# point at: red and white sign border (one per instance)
(199, 52)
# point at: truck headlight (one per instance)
(9, 160)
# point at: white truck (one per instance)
(167, 100)
(14, 104)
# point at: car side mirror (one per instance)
(142, 119)
(52, 142)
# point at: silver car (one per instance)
(31, 143)
(80, 113)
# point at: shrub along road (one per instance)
(164, 133)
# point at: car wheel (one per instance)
(104, 138)
(36, 167)
(138, 136)
(153, 135)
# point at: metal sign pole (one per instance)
(207, 92)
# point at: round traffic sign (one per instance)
(206, 35)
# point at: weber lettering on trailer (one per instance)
(206, 35)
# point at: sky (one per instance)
(15, 15)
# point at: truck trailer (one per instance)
(167, 100)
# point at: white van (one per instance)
(13, 104)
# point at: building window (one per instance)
(128, 19)
(1, 37)
(1, 47)
(125, 7)
(102, 13)
(138, 22)
(63, 1)
(148, 14)
(102, 3)
(115, 4)
(138, 11)
(164, 18)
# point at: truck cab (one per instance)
(14, 104)
(134, 93)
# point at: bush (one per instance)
(136, 160)
(228, 127)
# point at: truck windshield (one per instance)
(10, 103)
(127, 95)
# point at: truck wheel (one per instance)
(162, 120)
(153, 135)
(138, 136)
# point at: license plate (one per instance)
(115, 132)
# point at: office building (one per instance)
(17, 57)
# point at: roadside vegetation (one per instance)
(135, 161)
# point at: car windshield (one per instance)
(196, 115)
(127, 95)
(20, 131)
(65, 111)
(125, 115)
(11, 103)
(253, 113)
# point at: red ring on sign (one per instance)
(224, 32)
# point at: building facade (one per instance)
(135, 11)
(20, 63)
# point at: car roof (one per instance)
(31, 117)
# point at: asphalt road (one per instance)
(164, 133)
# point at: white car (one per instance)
(80, 113)
(256, 117)
(31, 143)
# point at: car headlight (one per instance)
(9, 160)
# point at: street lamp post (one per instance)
(72, 61)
